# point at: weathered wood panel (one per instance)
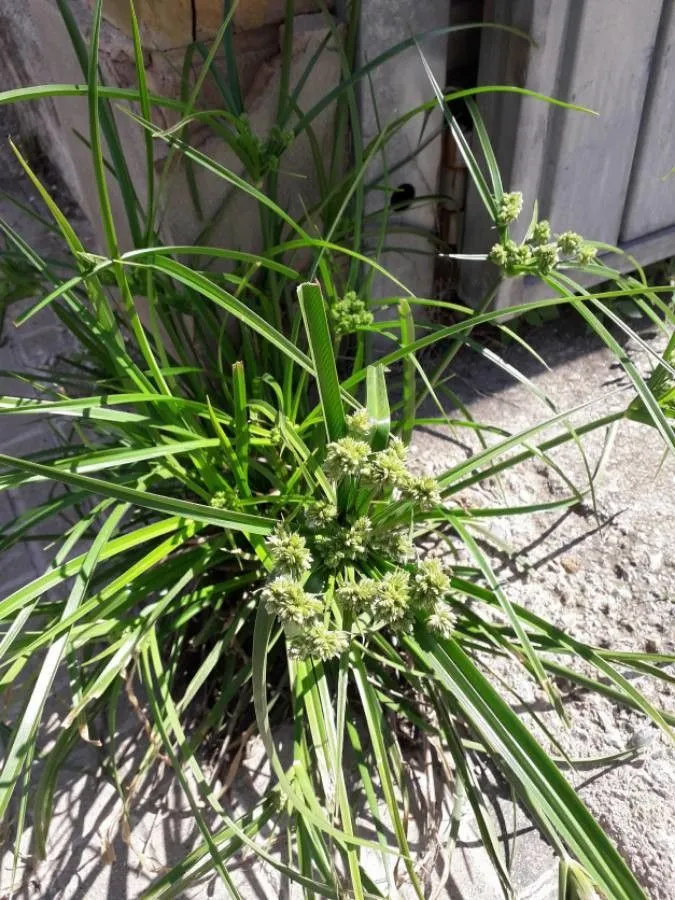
(518, 126)
(605, 64)
(577, 166)
(651, 195)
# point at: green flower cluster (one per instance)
(304, 615)
(325, 548)
(289, 552)
(541, 252)
(286, 598)
(345, 457)
(349, 314)
(394, 598)
(509, 207)
(352, 457)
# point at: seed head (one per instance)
(586, 255)
(392, 596)
(219, 500)
(358, 425)
(509, 207)
(424, 492)
(287, 599)
(387, 467)
(356, 596)
(394, 544)
(432, 583)
(289, 552)
(339, 545)
(498, 255)
(569, 243)
(541, 233)
(442, 620)
(319, 642)
(520, 255)
(546, 257)
(321, 515)
(345, 457)
(350, 314)
(356, 538)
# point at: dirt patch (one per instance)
(604, 571)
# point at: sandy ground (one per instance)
(607, 575)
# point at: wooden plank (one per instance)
(517, 125)
(651, 195)
(577, 166)
(605, 65)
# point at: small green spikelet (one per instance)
(345, 457)
(356, 596)
(287, 599)
(358, 425)
(424, 492)
(431, 583)
(442, 620)
(569, 243)
(395, 544)
(521, 255)
(499, 255)
(219, 500)
(318, 642)
(349, 314)
(387, 468)
(546, 258)
(586, 255)
(340, 545)
(321, 515)
(541, 233)
(509, 207)
(391, 600)
(289, 552)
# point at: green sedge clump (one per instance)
(368, 572)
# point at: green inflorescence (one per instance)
(541, 252)
(364, 571)
(349, 314)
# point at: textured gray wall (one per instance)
(32, 346)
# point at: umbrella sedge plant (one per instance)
(237, 527)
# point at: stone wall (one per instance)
(35, 48)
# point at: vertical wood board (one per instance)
(605, 62)
(651, 195)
